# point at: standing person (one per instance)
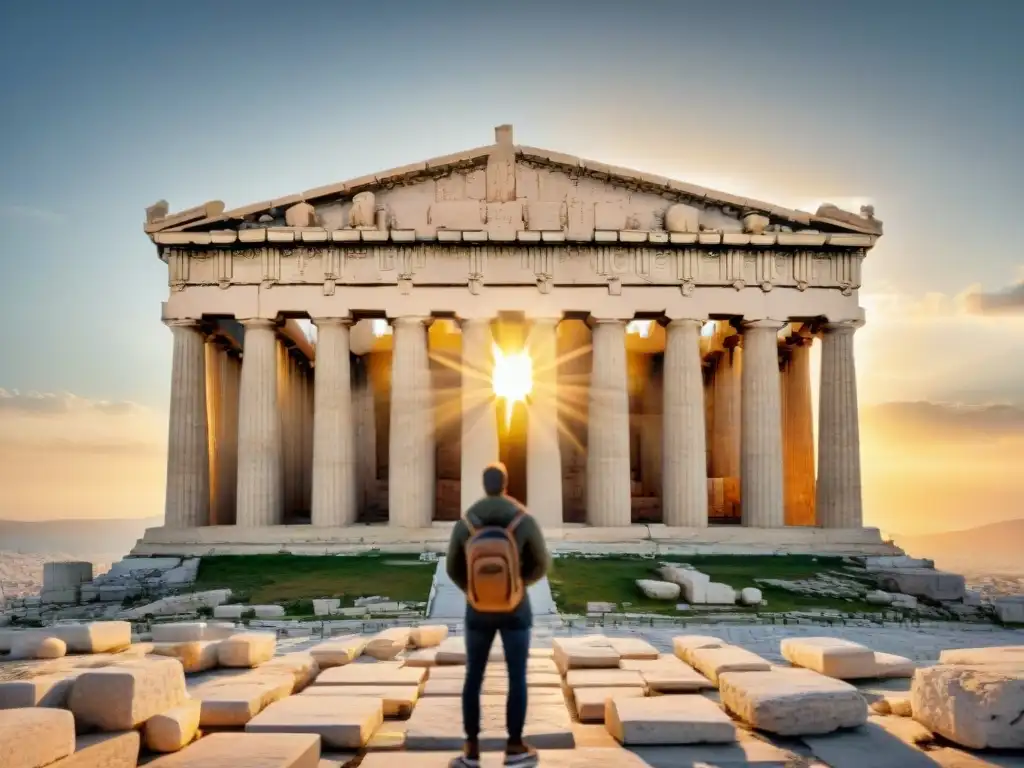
(496, 551)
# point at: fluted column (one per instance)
(365, 425)
(839, 484)
(187, 502)
(684, 497)
(334, 476)
(725, 437)
(609, 498)
(411, 454)
(479, 421)
(260, 499)
(543, 455)
(798, 435)
(761, 427)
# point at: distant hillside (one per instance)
(103, 539)
(994, 548)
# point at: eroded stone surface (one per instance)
(792, 702)
(247, 649)
(668, 720)
(668, 674)
(684, 645)
(37, 647)
(197, 656)
(594, 652)
(830, 656)
(341, 722)
(179, 632)
(998, 655)
(94, 637)
(265, 750)
(428, 636)
(388, 644)
(302, 666)
(976, 706)
(713, 662)
(452, 651)
(424, 657)
(658, 590)
(103, 750)
(35, 737)
(234, 702)
(436, 724)
(633, 648)
(338, 651)
(891, 665)
(590, 702)
(603, 678)
(123, 697)
(397, 700)
(174, 729)
(371, 674)
(42, 691)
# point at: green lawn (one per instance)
(577, 581)
(260, 579)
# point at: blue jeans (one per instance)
(478, 648)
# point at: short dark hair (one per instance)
(495, 479)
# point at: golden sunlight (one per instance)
(512, 378)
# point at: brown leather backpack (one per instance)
(492, 560)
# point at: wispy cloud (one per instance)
(31, 215)
(1009, 301)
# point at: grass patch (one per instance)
(579, 580)
(297, 579)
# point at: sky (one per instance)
(107, 107)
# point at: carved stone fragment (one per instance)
(755, 223)
(681, 218)
(363, 214)
(301, 215)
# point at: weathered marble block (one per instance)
(590, 702)
(371, 674)
(194, 656)
(712, 662)
(633, 648)
(341, 722)
(103, 750)
(603, 678)
(94, 637)
(174, 729)
(684, 645)
(302, 667)
(668, 720)
(452, 651)
(668, 674)
(42, 691)
(924, 582)
(247, 649)
(36, 737)
(429, 636)
(37, 647)
(1000, 654)
(388, 644)
(124, 697)
(831, 656)
(593, 652)
(792, 702)
(891, 665)
(398, 700)
(233, 703)
(976, 705)
(425, 657)
(179, 632)
(266, 750)
(338, 651)
(658, 590)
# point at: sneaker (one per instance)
(470, 758)
(521, 756)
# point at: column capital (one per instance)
(842, 326)
(766, 322)
(320, 322)
(185, 322)
(592, 320)
(477, 320)
(411, 320)
(258, 322)
(682, 322)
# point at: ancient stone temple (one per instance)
(663, 331)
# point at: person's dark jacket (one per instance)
(533, 558)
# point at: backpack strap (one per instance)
(511, 528)
(469, 525)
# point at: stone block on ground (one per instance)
(1009, 610)
(246, 649)
(436, 724)
(338, 651)
(234, 702)
(424, 657)
(831, 656)
(593, 652)
(492, 686)
(371, 674)
(428, 636)
(590, 702)
(267, 611)
(633, 648)
(35, 737)
(684, 645)
(712, 662)
(179, 632)
(180, 604)
(94, 637)
(665, 720)
(996, 655)
(668, 674)
(977, 706)
(342, 722)
(386, 645)
(41, 691)
(398, 700)
(792, 702)
(174, 729)
(194, 656)
(326, 607)
(266, 750)
(924, 582)
(229, 611)
(220, 630)
(751, 596)
(891, 665)
(301, 666)
(603, 678)
(123, 697)
(719, 594)
(658, 590)
(103, 750)
(452, 651)
(37, 647)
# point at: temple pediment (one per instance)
(504, 189)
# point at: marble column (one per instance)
(609, 497)
(684, 498)
(228, 450)
(798, 434)
(216, 359)
(839, 485)
(334, 461)
(543, 454)
(285, 428)
(479, 420)
(725, 438)
(761, 427)
(411, 453)
(365, 424)
(187, 502)
(259, 499)
(652, 421)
